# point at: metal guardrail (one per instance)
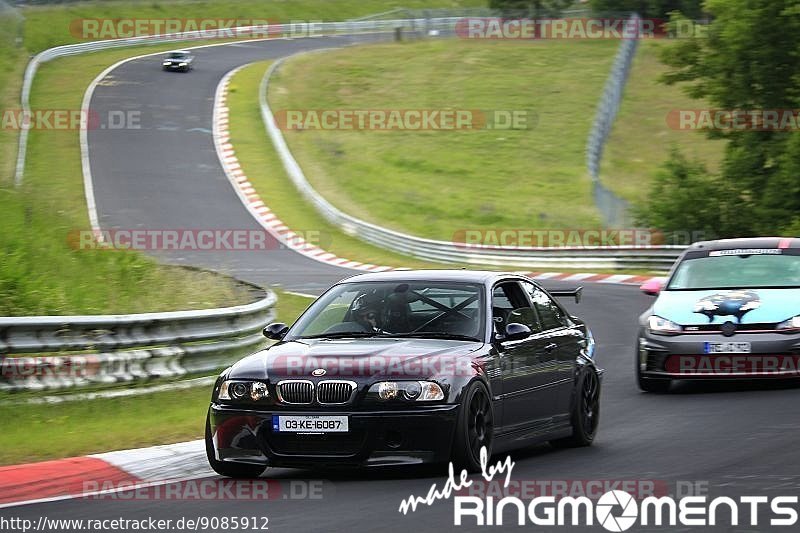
(612, 207)
(107, 349)
(600, 257)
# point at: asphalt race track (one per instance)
(166, 175)
(733, 439)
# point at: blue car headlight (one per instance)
(661, 326)
(791, 324)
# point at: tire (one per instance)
(584, 412)
(234, 470)
(474, 428)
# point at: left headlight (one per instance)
(243, 390)
(792, 323)
(662, 326)
(410, 391)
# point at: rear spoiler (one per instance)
(575, 293)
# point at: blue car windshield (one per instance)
(737, 271)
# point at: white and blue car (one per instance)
(729, 309)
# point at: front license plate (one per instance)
(727, 347)
(310, 424)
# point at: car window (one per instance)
(550, 315)
(526, 316)
(509, 304)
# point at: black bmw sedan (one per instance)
(409, 367)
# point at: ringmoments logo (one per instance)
(618, 510)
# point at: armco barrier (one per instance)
(612, 207)
(601, 257)
(107, 349)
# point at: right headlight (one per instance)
(792, 323)
(662, 326)
(410, 391)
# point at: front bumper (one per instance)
(375, 438)
(772, 355)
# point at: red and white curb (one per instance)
(621, 279)
(102, 474)
(253, 201)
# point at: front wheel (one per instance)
(474, 428)
(234, 470)
(585, 412)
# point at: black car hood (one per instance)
(358, 358)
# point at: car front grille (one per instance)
(304, 392)
(295, 391)
(335, 392)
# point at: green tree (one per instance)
(686, 198)
(530, 8)
(649, 8)
(747, 58)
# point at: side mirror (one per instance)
(276, 331)
(516, 331)
(652, 287)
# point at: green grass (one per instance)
(436, 183)
(47, 26)
(12, 63)
(264, 170)
(640, 139)
(82, 427)
(101, 425)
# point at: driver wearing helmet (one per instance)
(366, 310)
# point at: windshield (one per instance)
(723, 271)
(396, 309)
(178, 55)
